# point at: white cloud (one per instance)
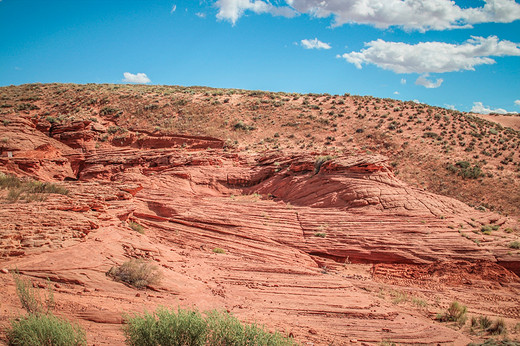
(200, 14)
(403, 81)
(315, 44)
(423, 80)
(452, 107)
(139, 78)
(478, 107)
(231, 10)
(517, 102)
(435, 57)
(396, 92)
(419, 15)
(174, 8)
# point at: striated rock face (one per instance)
(318, 247)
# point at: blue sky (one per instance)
(461, 54)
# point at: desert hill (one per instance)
(334, 219)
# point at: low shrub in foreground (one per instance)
(190, 327)
(136, 272)
(45, 329)
(456, 313)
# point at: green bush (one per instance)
(456, 313)
(136, 272)
(45, 329)
(189, 327)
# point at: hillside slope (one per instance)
(257, 204)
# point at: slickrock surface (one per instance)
(331, 250)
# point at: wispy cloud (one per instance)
(425, 82)
(478, 107)
(315, 44)
(403, 81)
(517, 102)
(231, 10)
(200, 14)
(174, 8)
(139, 78)
(409, 14)
(432, 57)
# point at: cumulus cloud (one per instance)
(139, 78)
(231, 10)
(419, 15)
(478, 107)
(517, 102)
(423, 80)
(315, 44)
(432, 57)
(448, 106)
(396, 92)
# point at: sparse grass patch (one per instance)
(28, 190)
(190, 327)
(320, 234)
(136, 227)
(219, 250)
(136, 272)
(29, 297)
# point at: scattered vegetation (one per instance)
(136, 272)
(465, 170)
(190, 327)
(320, 234)
(27, 190)
(39, 326)
(219, 250)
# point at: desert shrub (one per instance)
(136, 272)
(320, 234)
(514, 245)
(45, 329)
(219, 250)
(497, 328)
(320, 160)
(456, 313)
(39, 326)
(189, 327)
(108, 111)
(240, 125)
